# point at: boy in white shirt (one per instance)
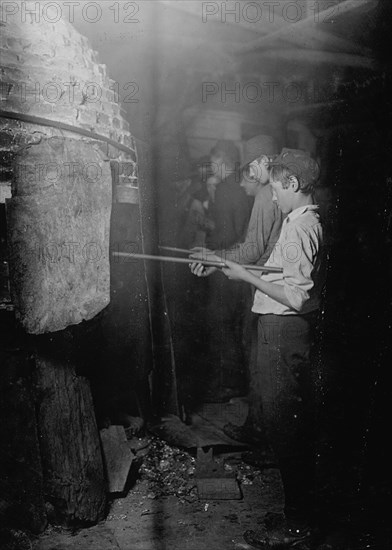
(287, 304)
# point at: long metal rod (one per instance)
(33, 119)
(266, 269)
(174, 249)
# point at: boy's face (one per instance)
(283, 197)
(217, 166)
(256, 175)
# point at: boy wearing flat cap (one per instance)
(262, 234)
(287, 304)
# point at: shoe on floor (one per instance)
(245, 433)
(278, 540)
(278, 534)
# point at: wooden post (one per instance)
(22, 504)
(71, 456)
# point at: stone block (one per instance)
(86, 116)
(117, 123)
(126, 194)
(43, 49)
(103, 119)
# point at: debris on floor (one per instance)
(172, 471)
(169, 471)
(163, 509)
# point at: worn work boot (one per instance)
(279, 534)
(278, 540)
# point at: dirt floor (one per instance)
(170, 502)
(164, 508)
(143, 521)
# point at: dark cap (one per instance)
(258, 146)
(300, 163)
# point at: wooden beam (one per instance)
(316, 38)
(314, 56)
(195, 8)
(290, 30)
(348, 5)
(310, 38)
(74, 481)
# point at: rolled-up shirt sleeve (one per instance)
(299, 252)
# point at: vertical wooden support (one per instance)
(22, 504)
(71, 456)
(164, 382)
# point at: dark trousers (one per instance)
(255, 414)
(226, 314)
(288, 386)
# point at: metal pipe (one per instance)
(211, 263)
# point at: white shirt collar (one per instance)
(301, 210)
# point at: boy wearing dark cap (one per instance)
(263, 232)
(287, 304)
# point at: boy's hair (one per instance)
(246, 169)
(295, 163)
(279, 172)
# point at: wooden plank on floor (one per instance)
(118, 457)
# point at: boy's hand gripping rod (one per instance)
(209, 263)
